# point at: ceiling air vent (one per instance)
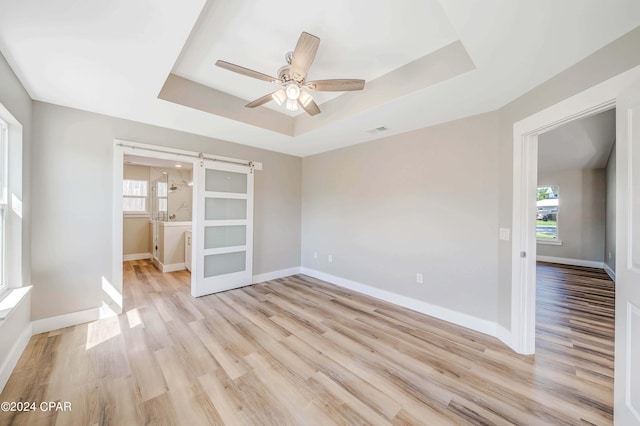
(377, 130)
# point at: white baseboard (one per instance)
(274, 275)
(12, 359)
(172, 267)
(609, 272)
(504, 335)
(136, 256)
(459, 318)
(572, 262)
(67, 320)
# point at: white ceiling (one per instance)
(579, 144)
(113, 57)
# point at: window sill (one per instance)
(136, 215)
(549, 242)
(10, 299)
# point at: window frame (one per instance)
(135, 213)
(4, 202)
(159, 198)
(551, 241)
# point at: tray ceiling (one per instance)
(425, 61)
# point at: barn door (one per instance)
(223, 232)
(627, 352)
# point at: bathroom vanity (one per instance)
(169, 250)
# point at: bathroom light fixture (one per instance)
(178, 165)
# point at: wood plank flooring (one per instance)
(298, 351)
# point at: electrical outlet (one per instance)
(419, 278)
(609, 255)
(330, 258)
(315, 254)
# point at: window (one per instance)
(4, 139)
(162, 209)
(548, 209)
(136, 195)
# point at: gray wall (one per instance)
(610, 233)
(72, 177)
(424, 201)
(581, 220)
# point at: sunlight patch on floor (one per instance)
(102, 330)
(134, 318)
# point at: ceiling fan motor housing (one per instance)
(284, 73)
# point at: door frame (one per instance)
(596, 99)
(112, 292)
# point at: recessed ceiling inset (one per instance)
(292, 79)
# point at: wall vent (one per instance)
(377, 130)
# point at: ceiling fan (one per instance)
(292, 78)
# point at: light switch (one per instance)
(504, 234)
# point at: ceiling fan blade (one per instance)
(245, 71)
(308, 104)
(338, 85)
(261, 101)
(303, 56)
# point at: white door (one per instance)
(627, 352)
(223, 232)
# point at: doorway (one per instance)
(157, 211)
(575, 194)
(153, 213)
(205, 201)
(597, 99)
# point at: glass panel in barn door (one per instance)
(223, 241)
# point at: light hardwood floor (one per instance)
(298, 351)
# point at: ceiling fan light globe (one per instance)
(293, 91)
(292, 105)
(279, 97)
(305, 98)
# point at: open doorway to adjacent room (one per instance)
(575, 247)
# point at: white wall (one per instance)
(72, 226)
(581, 223)
(424, 201)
